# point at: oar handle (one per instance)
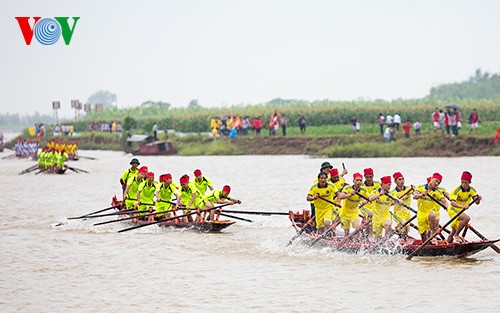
(132, 217)
(237, 218)
(403, 204)
(437, 201)
(331, 202)
(362, 196)
(437, 232)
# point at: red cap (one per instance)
(467, 176)
(385, 180)
(437, 176)
(143, 169)
(355, 175)
(151, 174)
(162, 178)
(397, 175)
(197, 172)
(168, 176)
(226, 188)
(184, 179)
(334, 172)
(368, 171)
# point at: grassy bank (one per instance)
(331, 141)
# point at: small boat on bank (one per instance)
(147, 146)
(205, 226)
(404, 246)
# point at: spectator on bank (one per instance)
(155, 132)
(406, 128)
(473, 121)
(389, 120)
(454, 123)
(302, 124)
(389, 134)
(381, 122)
(245, 125)
(397, 121)
(417, 126)
(283, 123)
(353, 123)
(447, 123)
(257, 125)
(435, 119)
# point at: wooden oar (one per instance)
(171, 218)
(29, 169)
(92, 213)
(236, 217)
(77, 170)
(409, 257)
(256, 213)
(132, 217)
(9, 156)
(42, 170)
(86, 157)
(299, 232)
(493, 246)
(127, 211)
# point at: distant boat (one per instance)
(149, 147)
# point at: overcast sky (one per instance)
(232, 52)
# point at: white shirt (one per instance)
(397, 119)
(417, 125)
(389, 119)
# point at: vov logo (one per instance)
(47, 31)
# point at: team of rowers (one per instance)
(142, 193)
(334, 202)
(50, 159)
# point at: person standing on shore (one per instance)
(406, 128)
(474, 121)
(381, 122)
(155, 132)
(397, 121)
(284, 124)
(435, 119)
(417, 126)
(302, 124)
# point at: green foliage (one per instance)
(129, 123)
(479, 86)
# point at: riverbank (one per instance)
(369, 146)
(351, 146)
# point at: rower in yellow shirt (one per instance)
(130, 192)
(190, 197)
(460, 198)
(337, 180)
(131, 172)
(349, 212)
(381, 208)
(323, 209)
(165, 191)
(369, 184)
(403, 193)
(202, 182)
(145, 195)
(218, 197)
(428, 220)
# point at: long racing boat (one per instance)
(406, 245)
(205, 226)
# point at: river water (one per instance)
(78, 267)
